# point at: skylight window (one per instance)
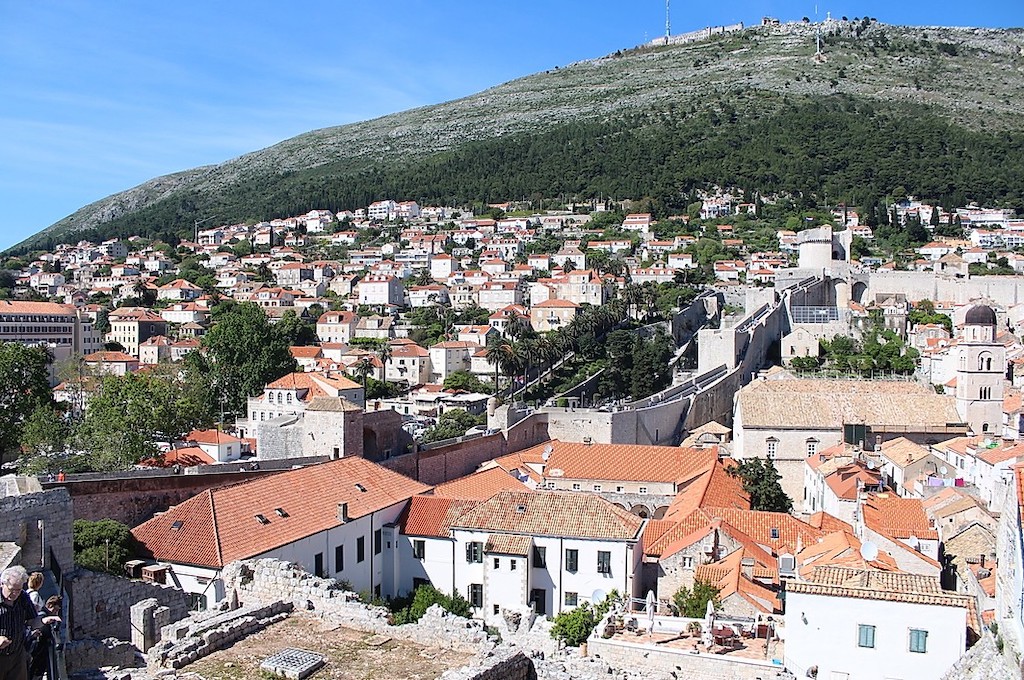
(775, 532)
(281, 512)
(362, 489)
(261, 519)
(177, 524)
(520, 508)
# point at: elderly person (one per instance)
(17, 615)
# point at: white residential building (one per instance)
(873, 625)
(549, 550)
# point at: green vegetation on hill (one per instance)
(929, 110)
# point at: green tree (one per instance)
(45, 440)
(452, 423)
(694, 603)
(573, 627)
(130, 413)
(102, 546)
(761, 482)
(24, 387)
(239, 356)
(467, 382)
(296, 330)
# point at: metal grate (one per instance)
(808, 314)
(292, 663)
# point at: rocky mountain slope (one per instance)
(968, 80)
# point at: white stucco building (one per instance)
(873, 625)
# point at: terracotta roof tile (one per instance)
(481, 485)
(508, 544)
(432, 515)
(623, 462)
(552, 513)
(220, 525)
(896, 517)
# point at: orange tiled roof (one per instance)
(220, 525)
(508, 544)
(305, 352)
(552, 513)
(625, 462)
(481, 485)
(111, 358)
(727, 575)
(210, 437)
(828, 523)
(899, 518)
(840, 549)
(52, 308)
(432, 515)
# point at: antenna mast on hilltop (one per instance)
(668, 21)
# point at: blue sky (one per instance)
(100, 96)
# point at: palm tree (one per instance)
(363, 369)
(500, 353)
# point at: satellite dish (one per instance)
(913, 542)
(547, 452)
(869, 551)
(598, 596)
(871, 464)
(943, 471)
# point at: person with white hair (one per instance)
(17, 615)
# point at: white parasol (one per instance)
(709, 623)
(651, 606)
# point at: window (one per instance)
(360, 549)
(339, 558)
(597, 487)
(497, 563)
(476, 595)
(497, 609)
(572, 560)
(686, 562)
(539, 557)
(377, 542)
(620, 489)
(866, 636)
(571, 599)
(604, 562)
(918, 640)
(774, 532)
(812, 447)
(643, 489)
(419, 549)
(512, 564)
(773, 447)
(576, 486)
(475, 552)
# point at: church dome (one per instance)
(980, 315)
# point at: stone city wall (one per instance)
(101, 603)
(39, 523)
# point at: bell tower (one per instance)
(980, 373)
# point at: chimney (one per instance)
(342, 512)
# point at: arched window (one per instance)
(289, 398)
(988, 364)
(984, 427)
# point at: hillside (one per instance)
(933, 110)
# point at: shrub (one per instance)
(694, 603)
(575, 626)
(428, 595)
